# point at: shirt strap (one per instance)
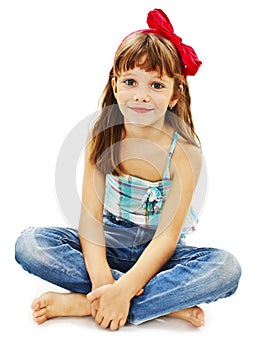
(166, 174)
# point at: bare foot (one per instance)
(52, 304)
(193, 315)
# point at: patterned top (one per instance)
(138, 201)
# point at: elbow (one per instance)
(167, 242)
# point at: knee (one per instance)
(25, 246)
(229, 271)
(232, 266)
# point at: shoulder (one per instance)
(187, 157)
(91, 175)
(193, 152)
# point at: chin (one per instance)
(143, 119)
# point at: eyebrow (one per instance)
(155, 76)
(160, 77)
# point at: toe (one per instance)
(41, 302)
(197, 317)
(40, 319)
(35, 304)
(39, 312)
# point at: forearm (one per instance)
(91, 228)
(148, 265)
(91, 234)
(96, 263)
(186, 169)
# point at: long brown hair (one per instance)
(151, 53)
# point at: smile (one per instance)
(141, 109)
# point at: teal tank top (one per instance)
(139, 201)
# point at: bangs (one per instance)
(148, 52)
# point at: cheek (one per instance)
(122, 96)
(163, 102)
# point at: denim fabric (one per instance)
(192, 276)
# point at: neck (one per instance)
(150, 132)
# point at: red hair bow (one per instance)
(160, 24)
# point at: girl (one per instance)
(128, 261)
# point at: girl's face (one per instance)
(143, 97)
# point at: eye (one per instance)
(130, 82)
(157, 85)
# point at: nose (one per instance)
(141, 95)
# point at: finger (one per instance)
(93, 296)
(94, 308)
(105, 323)
(114, 325)
(98, 318)
(141, 291)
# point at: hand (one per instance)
(110, 306)
(97, 284)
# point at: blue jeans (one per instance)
(192, 276)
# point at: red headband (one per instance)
(160, 24)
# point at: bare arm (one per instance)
(91, 232)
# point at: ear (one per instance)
(175, 98)
(114, 85)
(173, 102)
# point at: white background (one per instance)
(55, 57)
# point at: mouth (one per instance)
(141, 110)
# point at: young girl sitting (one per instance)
(128, 260)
